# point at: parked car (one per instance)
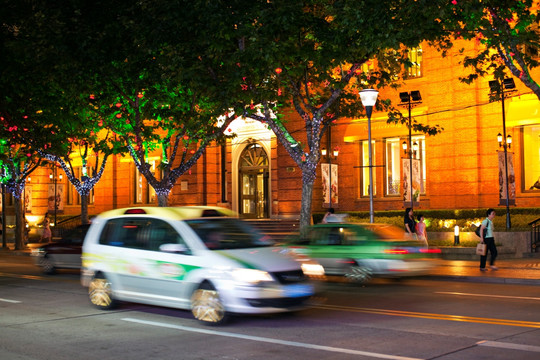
(64, 253)
(363, 251)
(196, 258)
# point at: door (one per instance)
(253, 182)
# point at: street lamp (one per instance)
(410, 99)
(507, 85)
(369, 98)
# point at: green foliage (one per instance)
(508, 30)
(445, 220)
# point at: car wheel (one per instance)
(206, 305)
(359, 274)
(100, 293)
(47, 266)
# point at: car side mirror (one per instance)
(174, 248)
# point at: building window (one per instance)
(414, 67)
(421, 155)
(531, 161)
(363, 167)
(144, 193)
(393, 164)
(394, 154)
(419, 142)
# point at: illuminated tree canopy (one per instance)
(508, 32)
(307, 56)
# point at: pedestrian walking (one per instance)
(410, 223)
(421, 230)
(488, 239)
(47, 234)
(328, 216)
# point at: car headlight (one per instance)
(251, 276)
(312, 269)
(37, 252)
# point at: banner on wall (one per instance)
(511, 179)
(59, 197)
(416, 182)
(27, 199)
(330, 184)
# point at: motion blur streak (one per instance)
(470, 319)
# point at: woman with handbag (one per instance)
(486, 237)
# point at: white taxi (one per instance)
(198, 258)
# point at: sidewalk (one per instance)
(511, 271)
(524, 271)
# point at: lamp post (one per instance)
(410, 99)
(497, 87)
(369, 98)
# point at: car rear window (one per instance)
(228, 233)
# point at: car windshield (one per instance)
(228, 233)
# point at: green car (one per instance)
(363, 251)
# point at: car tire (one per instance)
(47, 266)
(359, 274)
(206, 305)
(100, 293)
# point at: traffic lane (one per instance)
(345, 329)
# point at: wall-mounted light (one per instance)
(336, 151)
(323, 151)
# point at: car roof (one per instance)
(172, 212)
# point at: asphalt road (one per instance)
(50, 317)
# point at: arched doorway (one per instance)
(253, 184)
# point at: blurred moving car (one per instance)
(197, 258)
(363, 251)
(62, 254)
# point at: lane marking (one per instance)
(10, 301)
(270, 340)
(490, 296)
(459, 318)
(19, 276)
(37, 277)
(505, 345)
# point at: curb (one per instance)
(482, 279)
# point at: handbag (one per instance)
(477, 231)
(481, 249)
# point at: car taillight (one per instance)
(396, 251)
(430, 251)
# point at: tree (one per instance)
(27, 104)
(305, 55)
(82, 135)
(136, 82)
(508, 32)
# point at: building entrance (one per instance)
(253, 175)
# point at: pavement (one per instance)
(522, 271)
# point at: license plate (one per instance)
(298, 290)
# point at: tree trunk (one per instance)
(84, 209)
(307, 198)
(19, 223)
(163, 199)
